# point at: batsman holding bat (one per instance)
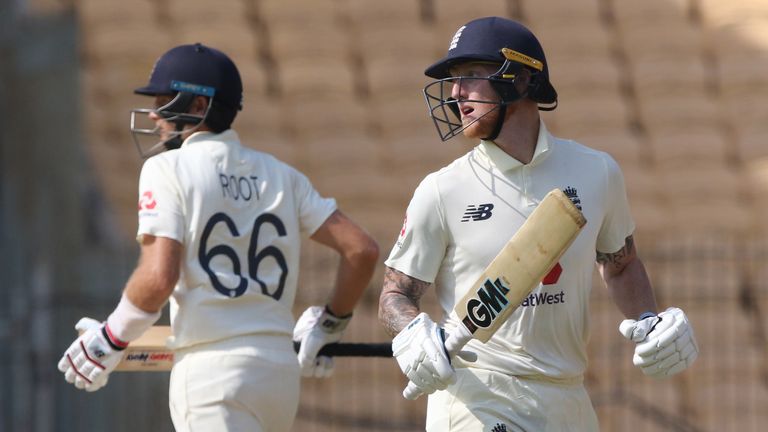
(528, 375)
(220, 227)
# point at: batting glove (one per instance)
(420, 352)
(317, 327)
(92, 356)
(665, 342)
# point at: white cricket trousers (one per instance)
(488, 401)
(243, 384)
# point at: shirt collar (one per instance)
(228, 136)
(496, 156)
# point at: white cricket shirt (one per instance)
(462, 215)
(240, 215)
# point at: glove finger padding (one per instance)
(316, 328)
(421, 354)
(669, 348)
(90, 358)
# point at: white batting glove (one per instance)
(421, 354)
(454, 342)
(317, 327)
(92, 356)
(665, 342)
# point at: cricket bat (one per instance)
(516, 270)
(149, 352)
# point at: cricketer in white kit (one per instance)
(528, 377)
(220, 229)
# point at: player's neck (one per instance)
(520, 133)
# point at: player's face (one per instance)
(478, 101)
(164, 127)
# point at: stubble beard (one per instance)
(483, 126)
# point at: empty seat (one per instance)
(377, 15)
(590, 114)
(312, 77)
(315, 117)
(574, 77)
(722, 216)
(544, 13)
(281, 12)
(621, 144)
(314, 39)
(577, 42)
(388, 78)
(452, 14)
(689, 146)
(683, 41)
(703, 182)
(753, 142)
(98, 14)
(202, 14)
(671, 76)
(237, 40)
(719, 13)
(405, 114)
(660, 114)
(655, 12)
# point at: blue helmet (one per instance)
(197, 69)
(503, 41)
(185, 72)
(489, 40)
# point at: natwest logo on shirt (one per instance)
(147, 201)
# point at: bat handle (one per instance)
(456, 340)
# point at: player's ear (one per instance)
(199, 105)
(522, 80)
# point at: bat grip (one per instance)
(456, 340)
(352, 349)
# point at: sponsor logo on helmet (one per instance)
(456, 37)
(518, 57)
(192, 88)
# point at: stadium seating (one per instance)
(674, 90)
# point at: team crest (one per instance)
(573, 195)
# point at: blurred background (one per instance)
(675, 90)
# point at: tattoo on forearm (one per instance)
(399, 301)
(617, 258)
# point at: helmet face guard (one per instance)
(444, 108)
(174, 112)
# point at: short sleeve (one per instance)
(312, 207)
(161, 211)
(421, 245)
(618, 223)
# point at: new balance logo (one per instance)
(500, 427)
(477, 213)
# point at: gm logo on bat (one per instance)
(489, 302)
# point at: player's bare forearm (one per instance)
(399, 300)
(358, 253)
(627, 280)
(153, 280)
